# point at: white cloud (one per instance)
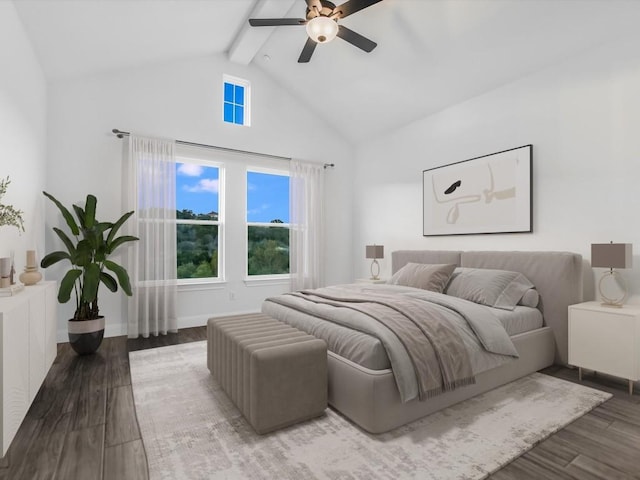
(209, 185)
(260, 209)
(190, 170)
(252, 186)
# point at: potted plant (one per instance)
(90, 266)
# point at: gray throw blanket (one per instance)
(439, 357)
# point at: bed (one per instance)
(363, 387)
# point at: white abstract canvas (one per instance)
(489, 194)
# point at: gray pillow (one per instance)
(531, 298)
(432, 277)
(495, 288)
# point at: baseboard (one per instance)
(201, 320)
(119, 329)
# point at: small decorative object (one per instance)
(375, 251)
(31, 275)
(612, 255)
(5, 272)
(489, 194)
(9, 215)
(88, 252)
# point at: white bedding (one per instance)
(367, 350)
(521, 319)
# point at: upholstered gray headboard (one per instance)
(556, 275)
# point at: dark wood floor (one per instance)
(82, 425)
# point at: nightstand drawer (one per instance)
(604, 341)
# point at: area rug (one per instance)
(191, 430)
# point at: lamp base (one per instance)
(611, 305)
(616, 302)
(375, 271)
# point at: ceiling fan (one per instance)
(322, 24)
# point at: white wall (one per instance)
(182, 100)
(583, 119)
(23, 136)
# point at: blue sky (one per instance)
(196, 188)
(267, 195)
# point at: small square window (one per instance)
(236, 98)
(228, 112)
(238, 116)
(228, 92)
(239, 95)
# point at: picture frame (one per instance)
(488, 194)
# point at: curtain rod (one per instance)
(121, 134)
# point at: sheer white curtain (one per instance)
(150, 179)
(306, 238)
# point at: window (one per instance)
(267, 223)
(198, 219)
(236, 100)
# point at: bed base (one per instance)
(370, 398)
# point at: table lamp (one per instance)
(375, 251)
(611, 255)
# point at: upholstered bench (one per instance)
(275, 374)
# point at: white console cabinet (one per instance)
(28, 339)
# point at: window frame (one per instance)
(182, 158)
(268, 277)
(246, 84)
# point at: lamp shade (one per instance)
(611, 255)
(375, 251)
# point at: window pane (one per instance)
(239, 115)
(268, 250)
(239, 100)
(228, 92)
(197, 251)
(197, 192)
(267, 198)
(228, 112)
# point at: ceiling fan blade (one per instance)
(275, 22)
(353, 6)
(356, 39)
(307, 51)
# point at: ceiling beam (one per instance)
(250, 40)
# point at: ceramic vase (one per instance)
(31, 275)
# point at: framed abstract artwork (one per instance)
(488, 194)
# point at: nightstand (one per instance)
(605, 339)
(371, 280)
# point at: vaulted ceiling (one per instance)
(431, 53)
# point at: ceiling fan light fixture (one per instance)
(322, 29)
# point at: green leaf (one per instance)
(54, 257)
(103, 226)
(65, 213)
(81, 216)
(67, 283)
(90, 211)
(91, 282)
(109, 281)
(121, 273)
(119, 241)
(66, 240)
(116, 227)
(83, 254)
